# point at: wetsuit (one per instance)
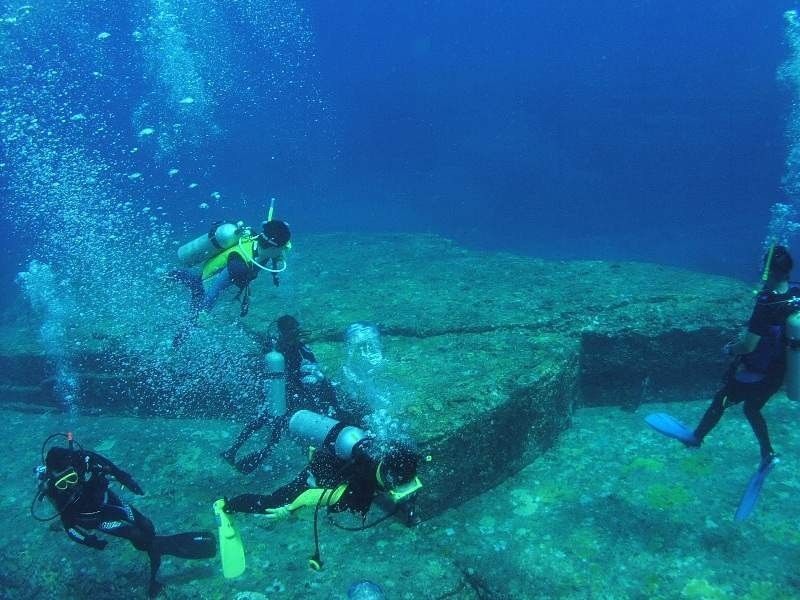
(755, 377)
(318, 397)
(77, 485)
(324, 472)
(89, 504)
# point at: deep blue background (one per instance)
(647, 130)
(639, 130)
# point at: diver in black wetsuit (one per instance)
(348, 471)
(306, 388)
(760, 365)
(77, 484)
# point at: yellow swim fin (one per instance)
(231, 550)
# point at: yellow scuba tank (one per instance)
(792, 378)
(275, 385)
(221, 237)
(314, 429)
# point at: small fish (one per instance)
(147, 131)
(216, 195)
(134, 176)
(137, 35)
(172, 172)
(193, 185)
(203, 205)
(186, 100)
(103, 36)
(78, 117)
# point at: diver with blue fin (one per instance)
(757, 371)
(230, 254)
(76, 482)
(348, 471)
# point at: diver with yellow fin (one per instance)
(230, 254)
(348, 471)
(757, 370)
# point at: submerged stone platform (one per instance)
(488, 354)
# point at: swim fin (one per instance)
(671, 427)
(753, 490)
(231, 550)
(193, 544)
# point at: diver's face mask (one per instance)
(65, 479)
(397, 491)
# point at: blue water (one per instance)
(639, 130)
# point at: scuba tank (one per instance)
(221, 237)
(792, 378)
(275, 385)
(320, 430)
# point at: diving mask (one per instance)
(65, 479)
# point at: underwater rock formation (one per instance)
(487, 354)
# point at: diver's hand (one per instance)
(95, 542)
(126, 480)
(278, 514)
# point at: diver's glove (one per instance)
(126, 480)
(95, 542)
(278, 514)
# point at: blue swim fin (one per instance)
(750, 496)
(671, 427)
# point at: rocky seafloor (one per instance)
(526, 381)
(483, 349)
(613, 510)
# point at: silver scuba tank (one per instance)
(221, 237)
(792, 378)
(275, 385)
(314, 428)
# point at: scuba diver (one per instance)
(756, 372)
(231, 254)
(348, 471)
(76, 482)
(294, 381)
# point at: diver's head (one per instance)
(397, 467)
(288, 326)
(396, 474)
(276, 233)
(289, 335)
(780, 263)
(61, 468)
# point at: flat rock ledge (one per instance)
(488, 354)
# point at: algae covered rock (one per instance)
(487, 354)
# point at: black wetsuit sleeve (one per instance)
(100, 464)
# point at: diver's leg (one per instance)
(258, 503)
(120, 519)
(250, 463)
(195, 284)
(761, 393)
(249, 429)
(722, 399)
(220, 282)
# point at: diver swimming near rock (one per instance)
(229, 254)
(76, 482)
